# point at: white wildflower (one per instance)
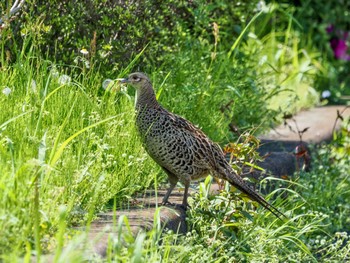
(84, 51)
(87, 64)
(64, 79)
(6, 91)
(54, 72)
(325, 94)
(107, 83)
(112, 85)
(123, 88)
(261, 6)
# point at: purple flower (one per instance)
(330, 29)
(340, 48)
(338, 42)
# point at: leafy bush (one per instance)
(113, 32)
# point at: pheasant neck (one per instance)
(146, 98)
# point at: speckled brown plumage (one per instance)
(183, 151)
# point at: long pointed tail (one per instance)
(239, 183)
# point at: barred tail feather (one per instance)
(238, 182)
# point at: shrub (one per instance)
(113, 32)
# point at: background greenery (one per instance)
(67, 146)
(196, 43)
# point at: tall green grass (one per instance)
(65, 142)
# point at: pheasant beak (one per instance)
(123, 80)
